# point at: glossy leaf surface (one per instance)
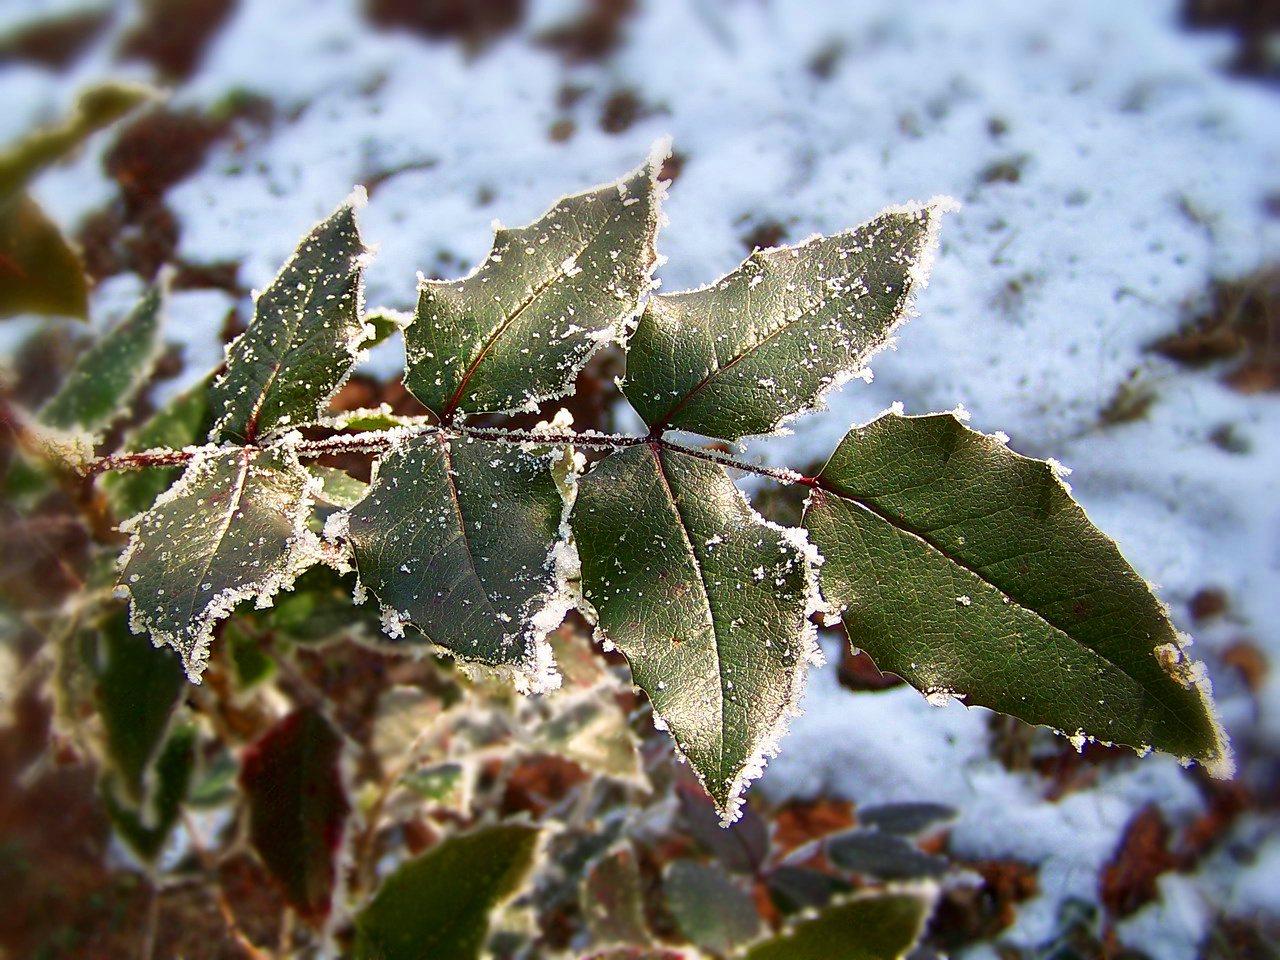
(766, 341)
(969, 570)
(106, 377)
(708, 602)
(298, 807)
(438, 906)
(454, 538)
(304, 338)
(231, 528)
(520, 327)
(872, 927)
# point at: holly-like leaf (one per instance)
(765, 342)
(708, 601)
(103, 381)
(39, 272)
(305, 335)
(455, 538)
(438, 906)
(184, 421)
(518, 329)
(712, 911)
(137, 691)
(878, 926)
(233, 527)
(969, 571)
(298, 807)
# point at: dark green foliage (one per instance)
(765, 342)
(145, 829)
(110, 372)
(298, 807)
(969, 570)
(437, 907)
(304, 338)
(707, 601)
(876, 927)
(454, 539)
(712, 911)
(138, 689)
(519, 329)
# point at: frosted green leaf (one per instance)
(108, 375)
(876, 926)
(765, 342)
(438, 906)
(708, 601)
(455, 538)
(969, 571)
(518, 329)
(305, 335)
(233, 527)
(337, 487)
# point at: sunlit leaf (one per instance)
(769, 339)
(708, 602)
(438, 906)
(39, 272)
(969, 571)
(549, 295)
(232, 528)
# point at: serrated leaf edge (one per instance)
(542, 614)
(617, 332)
(917, 279)
(1172, 656)
(356, 200)
(809, 654)
(304, 550)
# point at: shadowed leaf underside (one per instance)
(769, 339)
(708, 602)
(233, 527)
(969, 570)
(518, 329)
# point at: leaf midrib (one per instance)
(804, 313)
(233, 505)
(706, 594)
(496, 334)
(899, 524)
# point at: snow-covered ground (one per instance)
(1129, 169)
